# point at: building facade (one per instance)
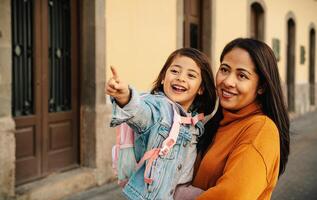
(55, 57)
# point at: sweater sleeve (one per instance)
(249, 167)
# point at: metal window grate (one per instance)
(22, 58)
(59, 56)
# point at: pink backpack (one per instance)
(123, 157)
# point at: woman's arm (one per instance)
(244, 177)
(252, 167)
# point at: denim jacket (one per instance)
(151, 117)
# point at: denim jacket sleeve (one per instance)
(140, 113)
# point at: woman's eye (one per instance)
(243, 76)
(223, 70)
(191, 75)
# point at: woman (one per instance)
(250, 148)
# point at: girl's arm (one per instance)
(139, 112)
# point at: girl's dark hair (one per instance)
(204, 103)
(272, 100)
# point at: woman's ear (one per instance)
(201, 90)
(260, 90)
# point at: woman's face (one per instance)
(236, 80)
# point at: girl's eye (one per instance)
(192, 76)
(174, 71)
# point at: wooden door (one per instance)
(192, 23)
(257, 22)
(312, 53)
(45, 86)
(290, 78)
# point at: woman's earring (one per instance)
(260, 91)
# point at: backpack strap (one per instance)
(168, 143)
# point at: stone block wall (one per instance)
(7, 140)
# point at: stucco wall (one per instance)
(140, 34)
(232, 20)
(305, 14)
(7, 141)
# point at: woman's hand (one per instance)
(187, 192)
(117, 89)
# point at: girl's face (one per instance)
(236, 80)
(182, 81)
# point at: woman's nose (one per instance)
(230, 81)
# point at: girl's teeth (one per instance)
(178, 87)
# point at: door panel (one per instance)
(290, 79)
(62, 101)
(27, 153)
(192, 23)
(312, 53)
(45, 101)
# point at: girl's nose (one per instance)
(181, 77)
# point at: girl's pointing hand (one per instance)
(117, 88)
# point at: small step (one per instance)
(58, 186)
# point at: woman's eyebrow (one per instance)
(244, 70)
(238, 69)
(225, 64)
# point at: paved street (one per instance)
(299, 182)
(300, 179)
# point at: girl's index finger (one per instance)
(114, 72)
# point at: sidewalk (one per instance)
(299, 182)
(109, 191)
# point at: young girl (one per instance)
(185, 84)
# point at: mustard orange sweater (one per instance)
(243, 161)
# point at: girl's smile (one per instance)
(178, 88)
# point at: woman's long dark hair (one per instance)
(204, 103)
(272, 100)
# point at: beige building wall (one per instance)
(305, 15)
(140, 35)
(232, 20)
